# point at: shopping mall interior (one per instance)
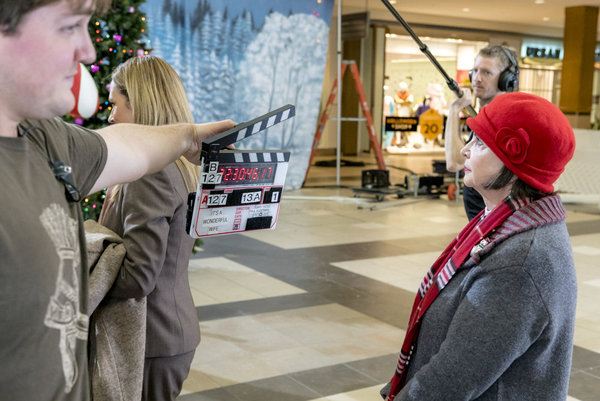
(317, 309)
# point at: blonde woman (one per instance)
(149, 214)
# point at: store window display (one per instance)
(434, 99)
(403, 101)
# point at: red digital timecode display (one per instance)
(247, 173)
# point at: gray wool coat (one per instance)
(502, 329)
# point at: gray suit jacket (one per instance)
(149, 214)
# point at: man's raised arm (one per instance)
(453, 142)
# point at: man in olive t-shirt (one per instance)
(43, 269)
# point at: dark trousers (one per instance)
(163, 377)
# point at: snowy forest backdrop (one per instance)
(239, 59)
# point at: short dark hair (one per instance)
(499, 52)
(13, 11)
(519, 189)
(501, 180)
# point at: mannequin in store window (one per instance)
(423, 106)
(404, 100)
(389, 109)
(495, 71)
(437, 101)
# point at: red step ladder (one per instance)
(365, 109)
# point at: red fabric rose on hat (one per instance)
(513, 143)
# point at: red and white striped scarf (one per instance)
(478, 238)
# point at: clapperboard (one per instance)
(239, 190)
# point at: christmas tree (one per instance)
(117, 36)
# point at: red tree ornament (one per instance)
(86, 94)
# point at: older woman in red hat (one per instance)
(494, 316)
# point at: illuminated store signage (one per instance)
(543, 52)
(542, 49)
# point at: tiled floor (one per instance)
(316, 310)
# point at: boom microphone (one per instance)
(423, 47)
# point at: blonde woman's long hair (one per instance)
(156, 97)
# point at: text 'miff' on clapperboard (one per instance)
(239, 190)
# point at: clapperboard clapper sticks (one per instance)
(239, 190)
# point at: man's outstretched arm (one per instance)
(136, 150)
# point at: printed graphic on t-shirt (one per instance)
(63, 311)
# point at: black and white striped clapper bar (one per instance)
(239, 190)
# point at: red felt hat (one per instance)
(531, 136)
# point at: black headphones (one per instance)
(508, 81)
(61, 171)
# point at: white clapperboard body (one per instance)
(239, 190)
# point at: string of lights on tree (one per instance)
(117, 36)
